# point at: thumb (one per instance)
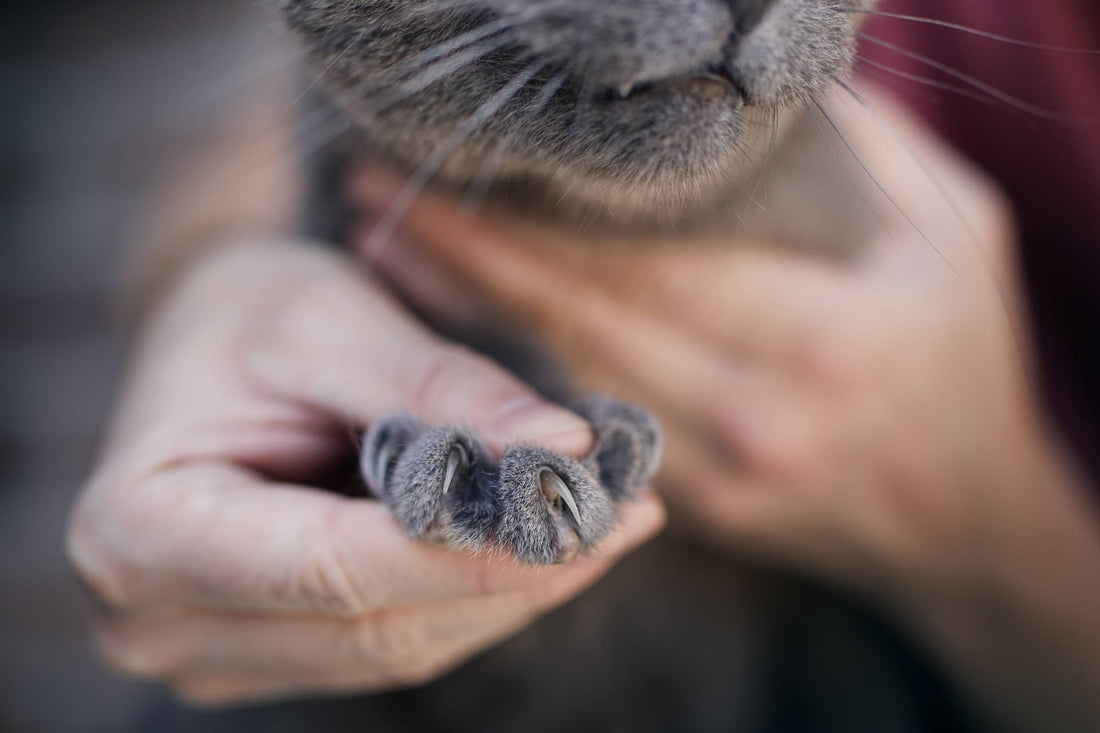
(343, 345)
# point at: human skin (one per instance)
(874, 423)
(222, 568)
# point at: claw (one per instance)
(553, 489)
(382, 466)
(455, 461)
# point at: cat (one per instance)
(623, 114)
(638, 113)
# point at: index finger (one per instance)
(583, 293)
(235, 542)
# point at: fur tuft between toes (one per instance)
(531, 530)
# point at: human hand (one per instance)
(226, 575)
(871, 422)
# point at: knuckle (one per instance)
(298, 317)
(448, 371)
(399, 634)
(317, 298)
(828, 357)
(97, 565)
(389, 641)
(135, 657)
(775, 455)
(776, 449)
(417, 673)
(434, 377)
(760, 440)
(360, 643)
(325, 581)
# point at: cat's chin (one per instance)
(704, 179)
(643, 205)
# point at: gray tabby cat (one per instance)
(625, 114)
(635, 113)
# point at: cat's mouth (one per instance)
(631, 110)
(712, 79)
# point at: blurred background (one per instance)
(98, 102)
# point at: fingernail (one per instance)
(531, 420)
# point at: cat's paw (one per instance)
(444, 486)
(629, 444)
(441, 483)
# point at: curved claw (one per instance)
(554, 488)
(382, 466)
(455, 461)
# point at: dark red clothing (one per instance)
(1051, 169)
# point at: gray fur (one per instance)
(417, 484)
(653, 106)
(671, 150)
(629, 444)
(529, 528)
(383, 447)
(659, 644)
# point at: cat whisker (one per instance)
(979, 84)
(832, 152)
(383, 232)
(433, 65)
(488, 29)
(1018, 336)
(893, 202)
(961, 91)
(976, 32)
(482, 181)
(321, 75)
(347, 104)
(389, 96)
(443, 48)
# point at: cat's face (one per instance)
(640, 107)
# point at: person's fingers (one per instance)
(343, 345)
(644, 355)
(393, 662)
(390, 643)
(425, 282)
(933, 202)
(938, 213)
(746, 299)
(231, 689)
(226, 539)
(398, 648)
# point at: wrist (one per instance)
(1018, 629)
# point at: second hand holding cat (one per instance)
(873, 423)
(227, 574)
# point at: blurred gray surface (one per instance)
(98, 102)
